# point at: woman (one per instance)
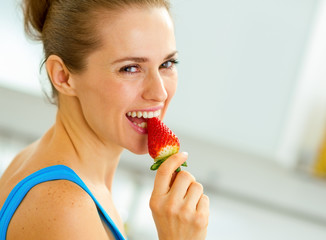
(104, 59)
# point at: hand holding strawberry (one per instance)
(162, 142)
(179, 206)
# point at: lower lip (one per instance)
(138, 129)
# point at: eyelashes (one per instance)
(135, 68)
(170, 63)
(130, 69)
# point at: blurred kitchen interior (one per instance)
(250, 110)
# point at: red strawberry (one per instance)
(162, 142)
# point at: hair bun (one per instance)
(35, 13)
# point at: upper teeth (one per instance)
(140, 114)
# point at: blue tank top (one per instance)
(57, 172)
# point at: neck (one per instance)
(94, 160)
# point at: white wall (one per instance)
(20, 58)
(306, 122)
(240, 62)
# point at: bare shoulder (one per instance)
(58, 210)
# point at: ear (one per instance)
(60, 76)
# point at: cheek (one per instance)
(171, 86)
(98, 100)
(123, 95)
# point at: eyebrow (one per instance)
(142, 59)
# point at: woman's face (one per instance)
(132, 73)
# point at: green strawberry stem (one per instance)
(183, 164)
(158, 163)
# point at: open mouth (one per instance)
(139, 118)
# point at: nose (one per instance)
(154, 88)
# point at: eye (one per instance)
(169, 64)
(130, 69)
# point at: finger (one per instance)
(181, 184)
(203, 204)
(193, 195)
(174, 175)
(165, 172)
(202, 213)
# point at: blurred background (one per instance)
(250, 110)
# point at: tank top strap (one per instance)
(56, 172)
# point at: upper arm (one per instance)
(58, 210)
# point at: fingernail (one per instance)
(185, 153)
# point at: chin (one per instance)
(139, 149)
(144, 153)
